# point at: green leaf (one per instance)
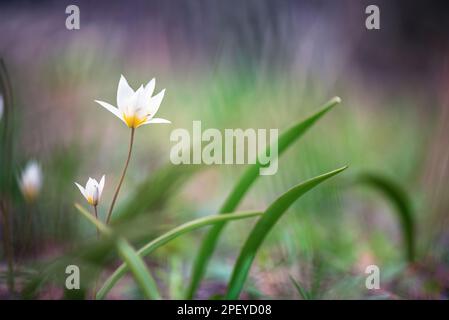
(104, 229)
(238, 192)
(263, 226)
(400, 200)
(302, 291)
(7, 139)
(135, 263)
(7, 131)
(166, 237)
(139, 269)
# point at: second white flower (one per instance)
(93, 190)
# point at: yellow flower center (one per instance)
(134, 121)
(91, 201)
(30, 193)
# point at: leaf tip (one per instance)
(339, 170)
(336, 99)
(330, 104)
(344, 167)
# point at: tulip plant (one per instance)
(134, 108)
(137, 108)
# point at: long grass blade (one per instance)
(104, 229)
(263, 227)
(168, 236)
(302, 291)
(402, 203)
(238, 192)
(138, 269)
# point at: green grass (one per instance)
(263, 226)
(239, 191)
(168, 236)
(401, 202)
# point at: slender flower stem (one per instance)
(96, 217)
(123, 176)
(28, 230)
(7, 155)
(95, 288)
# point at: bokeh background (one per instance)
(238, 64)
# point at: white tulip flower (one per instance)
(136, 108)
(31, 180)
(93, 190)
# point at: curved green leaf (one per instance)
(104, 229)
(135, 263)
(263, 226)
(166, 237)
(138, 269)
(240, 189)
(400, 200)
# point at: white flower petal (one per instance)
(95, 196)
(157, 120)
(145, 100)
(155, 102)
(34, 174)
(132, 104)
(31, 178)
(101, 186)
(83, 191)
(149, 88)
(124, 93)
(91, 185)
(111, 109)
(140, 95)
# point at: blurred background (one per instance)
(236, 64)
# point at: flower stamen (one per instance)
(133, 121)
